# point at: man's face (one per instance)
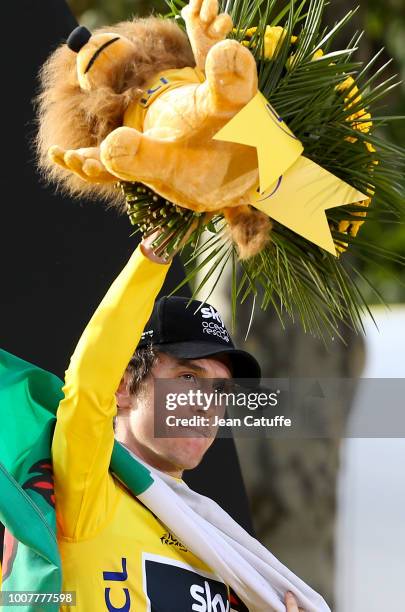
(172, 455)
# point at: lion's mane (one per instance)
(71, 118)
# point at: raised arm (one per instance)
(84, 437)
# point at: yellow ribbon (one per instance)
(293, 190)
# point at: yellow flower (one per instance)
(317, 55)
(360, 121)
(361, 126)
(250, 32)
(272, 37)
(371, 149)
(352, 227)
(366, 123)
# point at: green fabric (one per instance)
(34, 395)
(29, 397)
(132, 473)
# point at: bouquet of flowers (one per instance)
(263, 149)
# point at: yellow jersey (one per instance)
(134, 116)
(116, 554)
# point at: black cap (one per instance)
(78, 38)
(183, 331)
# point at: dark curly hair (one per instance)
(140, 365)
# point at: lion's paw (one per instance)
(118, 152)
(205, 27)
(232, 73)
(82, 162)
(201, 16)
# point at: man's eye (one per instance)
(192, 377)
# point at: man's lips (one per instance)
(200, 431)
(206, 431)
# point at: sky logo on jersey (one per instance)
(174, 586)
(205, 600)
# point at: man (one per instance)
(116, 554)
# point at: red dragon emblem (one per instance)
(42, 483)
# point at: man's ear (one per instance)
(122, 394)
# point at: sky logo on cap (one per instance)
(208, 312)
(211, 327)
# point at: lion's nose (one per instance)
(78, 38)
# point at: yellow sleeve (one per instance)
(84, 437)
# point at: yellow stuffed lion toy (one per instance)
(140, 102)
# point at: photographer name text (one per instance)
(216, 421)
